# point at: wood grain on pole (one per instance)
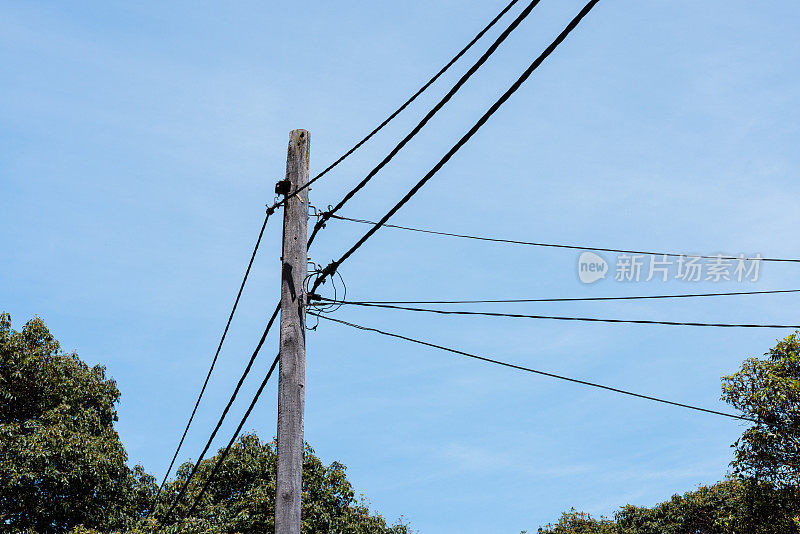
(291, 376)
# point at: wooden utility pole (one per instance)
(292, 372)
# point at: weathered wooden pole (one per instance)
(292, 371)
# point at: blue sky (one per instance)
(139, 144)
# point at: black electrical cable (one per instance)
(425, 86)
(543, 373)
(331, 268)
(408, 102)
(558, 318)
(439, 105)
(224, 412)
(553, 245)
(566, 299)
(272, 208)
(216, 355)
(224, 454)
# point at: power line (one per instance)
(331, 268)
(543, 373)
(439, 105)
(277, 204)
(559, 318)
(554, 245)
(224, 412)
(567, 299)
(272, 208)
(408, 102)
(216, 355)
(224, 454)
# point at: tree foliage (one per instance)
(61, 461)
(574, 522)
(763, 495)
(63, 467)
(768, 390)
(241, 497)
(728, 507)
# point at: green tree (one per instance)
(61, 461)
(768, 391)
(763, 495)
(241, 497)
(728, 507)
(574, 522)
(63, 467)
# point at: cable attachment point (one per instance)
(317, 277)
(329, 270)
(283, 187)
(323, 217)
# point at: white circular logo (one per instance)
(591, 267)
